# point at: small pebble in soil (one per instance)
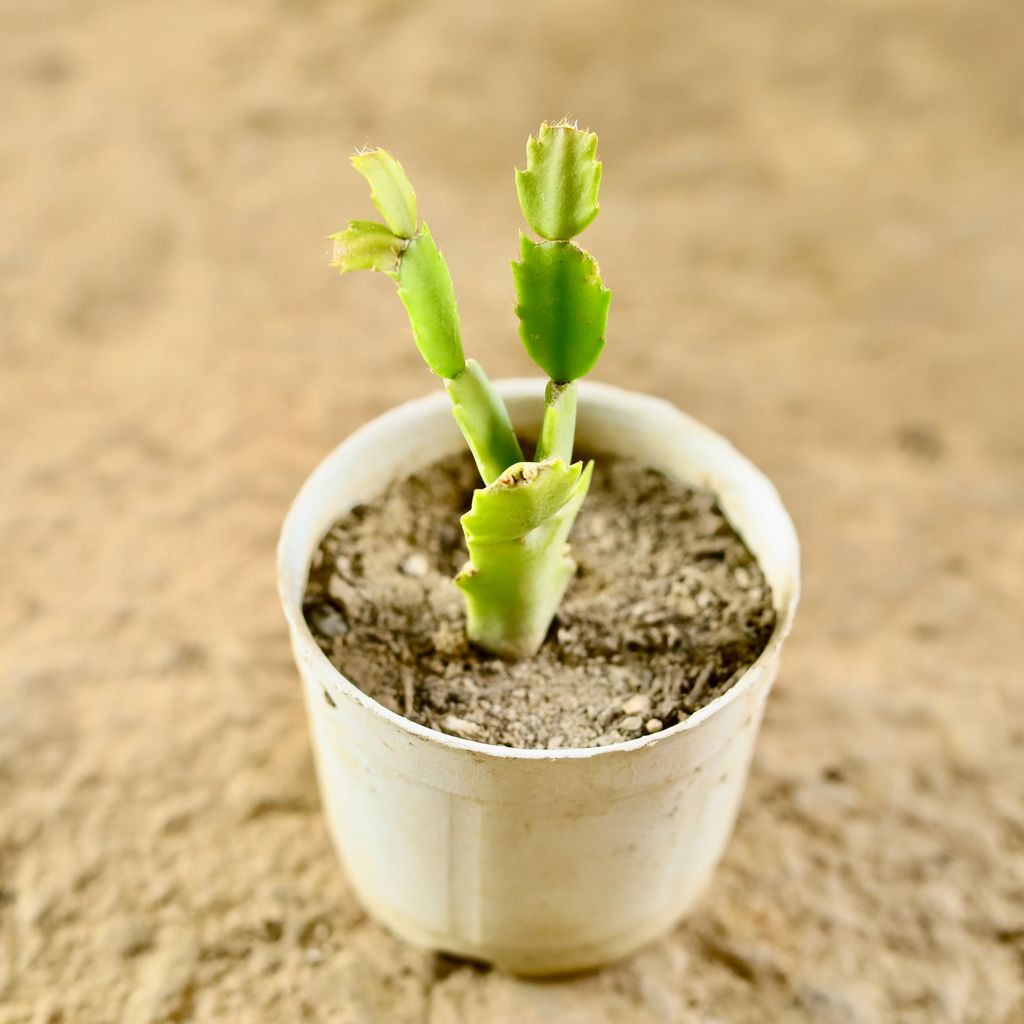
(667, 609)
(328, 621)
(415, 564)
(637, 705)
(460, 727)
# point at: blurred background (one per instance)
(812, 223)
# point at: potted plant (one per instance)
(463, 832)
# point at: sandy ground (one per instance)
(812, 224)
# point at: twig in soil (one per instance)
(410, 696)
(690, 700)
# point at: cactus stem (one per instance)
(483, 419)
(559, 425)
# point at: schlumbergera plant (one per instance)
(517, 528)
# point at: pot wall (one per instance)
(538, 861)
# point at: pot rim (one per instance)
(513, 388)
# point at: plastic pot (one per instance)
(537, 861)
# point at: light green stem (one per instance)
(559, 425)
(483, 419)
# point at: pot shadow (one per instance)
(444, 965)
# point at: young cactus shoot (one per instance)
(518, 526)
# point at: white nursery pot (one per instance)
(539, 861)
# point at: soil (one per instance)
(667, 609)
(811, 224)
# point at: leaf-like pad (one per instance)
(522, 498)
(562, 307)
(425, 288)
(558, 189)
(366, 245)
(391, 191)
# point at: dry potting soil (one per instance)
(667, 609)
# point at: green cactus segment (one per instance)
(559, 425)
(562, 307)
(483, 419)
(514, 584)
(391, 191)
(520, 500)
(425, 288)
(558, 189)
(367, 245)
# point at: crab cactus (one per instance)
(518, 526)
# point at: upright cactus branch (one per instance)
(516, 531)
(563, 306)
(412, 259)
